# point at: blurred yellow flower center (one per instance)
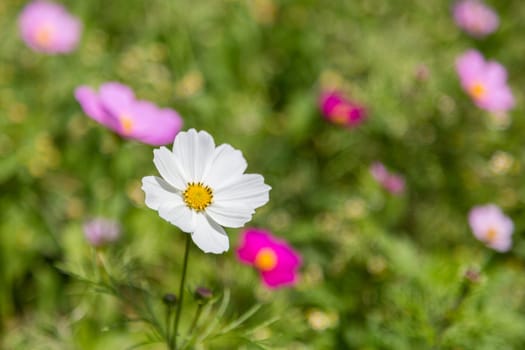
(477, 90)
(44, 35)
(126, 123)
(340, 113)
(492, 233)
(197, 196)
(266, 259)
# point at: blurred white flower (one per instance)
(202, 188)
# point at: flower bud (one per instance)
(169, 299)
(203, 295)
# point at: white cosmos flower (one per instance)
(202, 188)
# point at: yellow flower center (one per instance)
(340, 113)
(491, 235)
(126, 123)
(44, 35)
(266, 259)
(197, 196)
(477, 91)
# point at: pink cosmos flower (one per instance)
(48, 28)
(393, 183)
(491, 226)
(475, 18)
(275, 259)
(100, 232)
(115, 107)
(339, 110)
(485, 82)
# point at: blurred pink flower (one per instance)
(275, 259)
(393, 183)
(485, 82)
(475, 18)
(100, 232)
(115, 107)
(48, 28)
(339, 110)
(491, 226)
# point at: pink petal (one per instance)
(378, 171)
(92, 106)
(338, 109)
(495, 73)
(328, 101)
(115, 107)
(116, 98)
(155, 126)
(395, 184)
(65, 27)
(287, 262)
(279, 278)
(475, 18)
(252, 241)
(490, 217)
(470, 66)
(287, 257)
(499, 99)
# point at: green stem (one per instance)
(100, 262)
(169, 336)
(195, 319)
(193, 324)
(181, 291)
(464, 290)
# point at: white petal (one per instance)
(162, 197)
(157, 191)
(230, 214)
(209, 236)
(194, 151)
(226, 166)
(179, 215)
(250, 191)
(169, 168)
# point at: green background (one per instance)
(379, 271)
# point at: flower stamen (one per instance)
(266, 259)
(477, 91)
(491, 235)
(44, 35)
(340, 113)
(126, 123)
(197, 196)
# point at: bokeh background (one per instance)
(379, 271)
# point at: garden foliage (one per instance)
(380, 269)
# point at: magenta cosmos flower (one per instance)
(339, 110)
(475, 18)
(275, 259)
(48, 28)
(491, 226)
(393, 183)
(485, 82)
(100, 231)
(115, 107)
